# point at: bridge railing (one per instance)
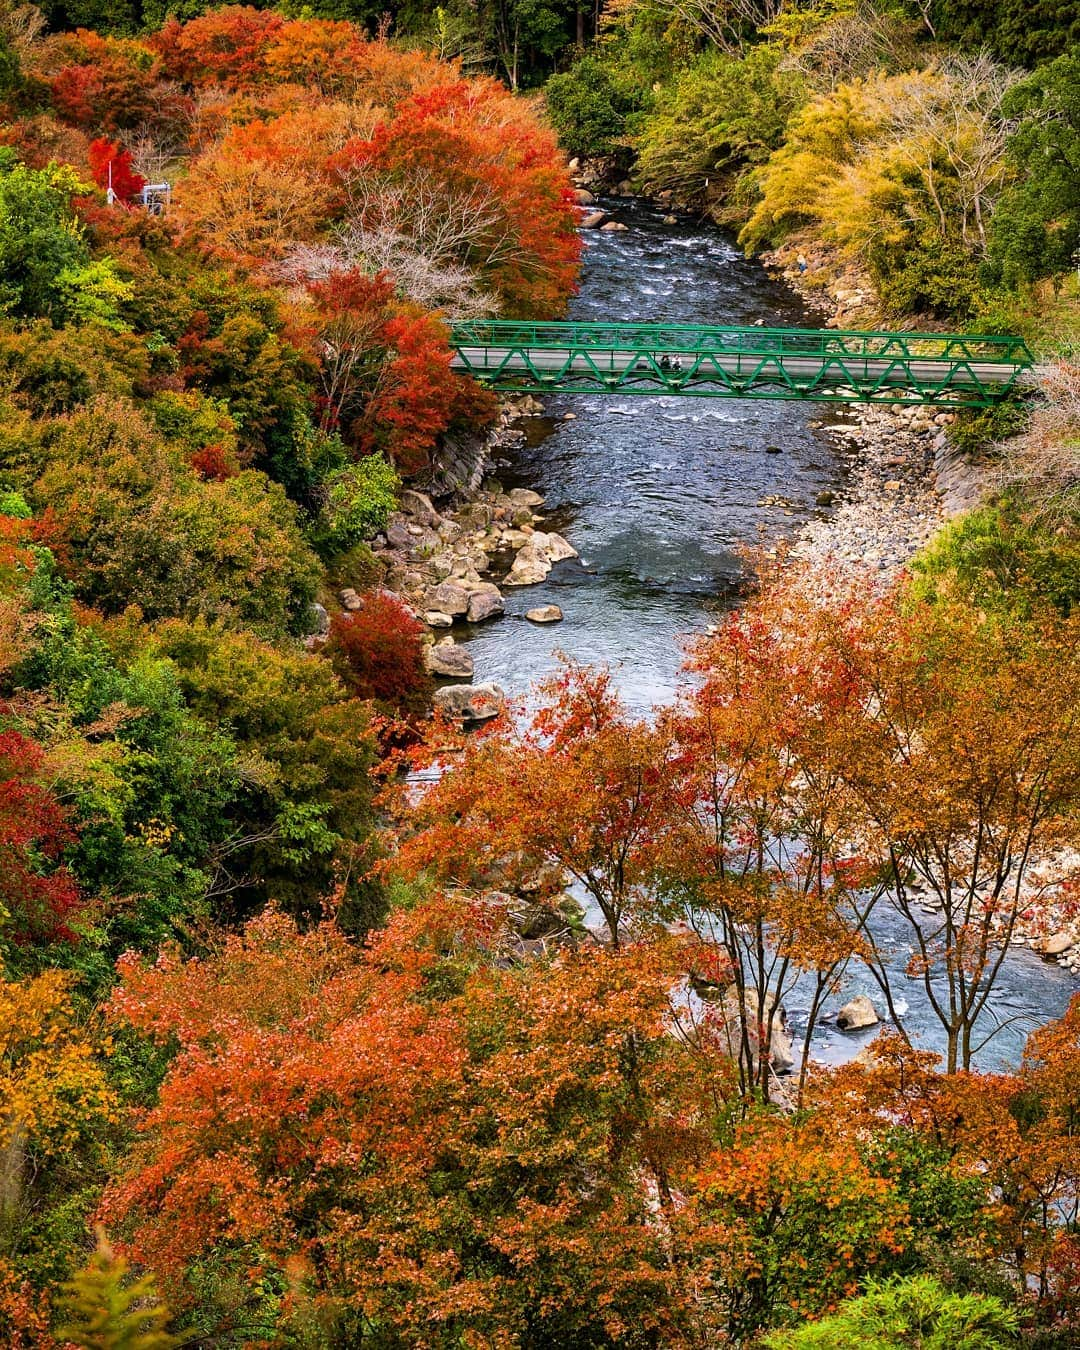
(748, 341)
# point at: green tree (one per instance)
(916, 1312)
(1017, 31)
(300, 827)
(10, 72)
(722, 115)
(109, 1310)
(1035, 230)
(138, 526)
(588, 106)
(40, 240)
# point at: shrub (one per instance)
(916, 1312)
(359, 499)
(14, 504)
(588, 107)
(927, 277)
(977, 429)
(1000, 559)
(379, 653)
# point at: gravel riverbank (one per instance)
(904, 477)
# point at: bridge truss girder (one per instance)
(822, 365)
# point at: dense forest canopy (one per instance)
(302, 1050)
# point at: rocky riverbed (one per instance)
(905, 478)
(451, 564)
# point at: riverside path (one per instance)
(965, 370)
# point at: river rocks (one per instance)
(544, 614)
(448, 597)
(1056, 944)
(671, 220)
(470, 702)
(614, 227)
(534, 920)
(350, 600)
(856, 1014)
(531, 566)
(525, 497)
(447, 659)
(781, 1053)
(774, 450)
(485, 602)
(825, 498)
(554, 546)
(583, 197)
(420, 507)
(594, 220)
(397, 534)
(439, 560)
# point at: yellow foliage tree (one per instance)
(53, 1090)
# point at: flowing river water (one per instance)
(657, 495)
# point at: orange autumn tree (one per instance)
(964, 759)
(580, 793)
(877, 751)
(502, 195)
(413, 1140)
(759, 854)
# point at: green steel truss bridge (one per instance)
(791, 363)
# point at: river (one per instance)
(657, 495)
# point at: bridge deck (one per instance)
(715, 362)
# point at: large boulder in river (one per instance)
(470, 702)
(554, 546)
(485, 602)
(531, 565)
(449, 660)
(856, 1014)
(593, 220)
(448, 597)
(544, 614)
